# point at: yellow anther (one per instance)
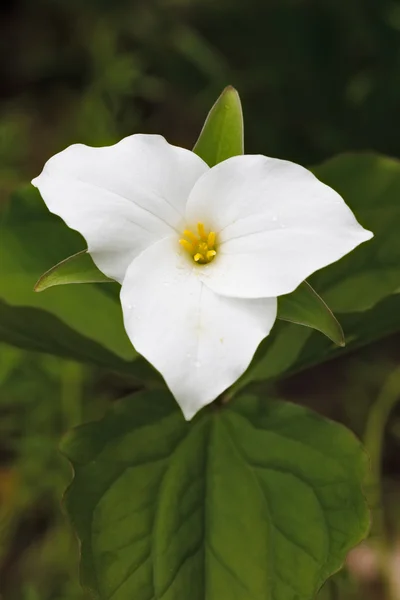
(193, 238)
(211, 239)
(201, 230)
(187, 245)
(201, 247)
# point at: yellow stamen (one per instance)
(201, 230)
(193, 238)
(187, 245)
(202, 247)
(211, 239)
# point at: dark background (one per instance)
(316, 78)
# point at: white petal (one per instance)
(121, 198)
(199, 341)
(276, 224)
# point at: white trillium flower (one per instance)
(201, 253)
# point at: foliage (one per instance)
(315, 79)
(245, 466)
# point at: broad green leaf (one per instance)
(31, 241)
(305, 307)
(370, 185)
(222, 133)
(256, 500)
(78, 268)
(38, 330)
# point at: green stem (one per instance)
(374, 442)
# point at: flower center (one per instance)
(201, 246)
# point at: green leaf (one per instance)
(31, 241)
(361, 288)
(222, 133)
(38, 330)
(361, 329)
(307, 350)
(290, 349)
(259, 499)
(78, 268)
(370, 185)
(305, 307)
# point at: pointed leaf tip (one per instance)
(78, 268)
(222, 133)
(305, 307)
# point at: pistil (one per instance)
(201, 247)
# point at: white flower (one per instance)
(201, 253)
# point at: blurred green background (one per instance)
(316, 78)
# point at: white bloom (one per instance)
(201, 253)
